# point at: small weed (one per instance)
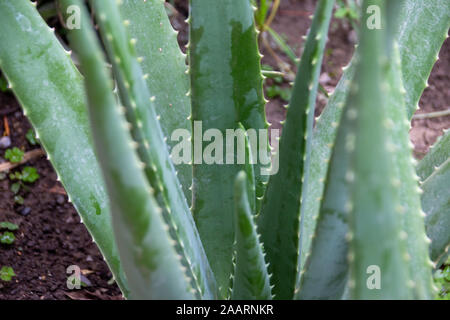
(7, 273)
(14, 155)
(19, 200)
(8, 226)
(7, 237)
(348, 10)
(15, 187)
(31, 137)
(276, 90)
(28, 174)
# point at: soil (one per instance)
(51, 238)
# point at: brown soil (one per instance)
(50, 236)
(292, 21)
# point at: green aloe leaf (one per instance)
(151, 263)
(378, 258)
(151, 146)
(223, 43)
(409, 206)
(164, 67)
(251, 278)
(437, 155)
(329, 247)
(50, 90)
(436, 204)
(279, 221)
(423, 28)
(325, 273)
(411, 36)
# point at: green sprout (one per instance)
(6, 273)
(8, 225)
(7, 238)
(28, 174)
(31, 137)
(14, 155)
(276, 90)
(15, 187)
(19, 199)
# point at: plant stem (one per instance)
(430, 115)
(26, 157)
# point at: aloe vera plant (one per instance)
(341, 217)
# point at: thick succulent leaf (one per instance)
(436, 204)
(332, 227)
(223, 43)
(420, 58)
(152, 149)
(279, 221)
(423, 28)
(412, 217)
(377, 251)
(50, 90)
(149, 257)
(325, 273)
(165, 68)
(437, 155)
(251, 278)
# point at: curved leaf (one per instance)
(151, 263)
(420, 46)
(436, 204)
(377, 252)
(164, 66)
(279, 221)
(251, 279)
(437, 155)
(152, 148)
(50, 90)
(223, 43)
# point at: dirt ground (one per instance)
(50, 236)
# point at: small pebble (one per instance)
(25, 211)
(352, 37)
(60, 199)
(85, 281)
(5, 142)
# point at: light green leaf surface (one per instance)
(152, 148)
(419, 47)
(151, 263)
(436, 204)
(437, 155)
(50, 91)
(164, 66)
(250, 279)
(279, 221)
(223, 43)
